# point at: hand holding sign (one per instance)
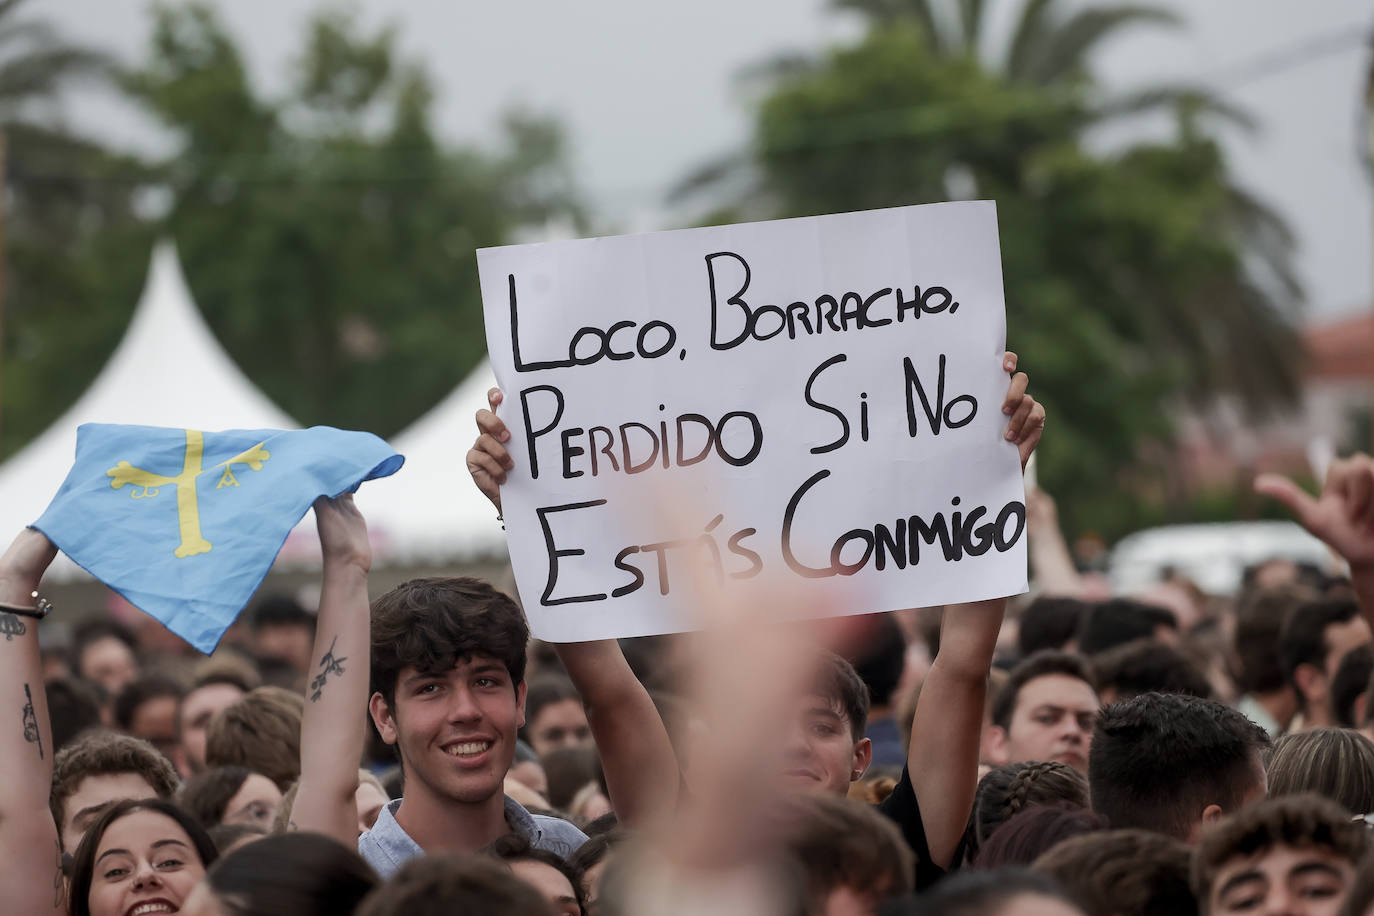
(488, 459)
(819, 393)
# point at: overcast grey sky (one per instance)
(647, 90)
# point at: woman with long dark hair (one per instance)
(139, 853)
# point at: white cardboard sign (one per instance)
(817, 398)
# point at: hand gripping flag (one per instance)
(185, 524)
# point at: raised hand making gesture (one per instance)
(1342, 515)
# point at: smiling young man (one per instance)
(448, 678)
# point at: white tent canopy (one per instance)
(168, 370)
(430, 511)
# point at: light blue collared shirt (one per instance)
(386, 847)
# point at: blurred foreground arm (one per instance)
(642, 775)
(1051, 563)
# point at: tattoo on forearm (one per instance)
(31, 734)
(12, 626)
(328, 665)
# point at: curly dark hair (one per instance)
(1302, 821)
(104, 753)
(432, 624)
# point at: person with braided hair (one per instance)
(1015, 787)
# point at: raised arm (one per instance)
(642, 774)
(28, 836)
(947, 730)
(333, 729)
(1051, 562)
(1342, 516)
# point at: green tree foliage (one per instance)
(328, 236)
(1135, 281)
(73, 244)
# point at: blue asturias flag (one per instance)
(185, 524)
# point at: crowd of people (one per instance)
(1073, 753)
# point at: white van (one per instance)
(1214, 556)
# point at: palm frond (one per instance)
(1196, 98)
(710, 176)
(971, 24)
(1032, 32)
(39, 73)
(885, 11)
(1070, 44)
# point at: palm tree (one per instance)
(1051, 49)
(63, 194)
(1137, 276)
(1047, 47)
(48, 168)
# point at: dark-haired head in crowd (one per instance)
(73, 707)
(1359, 901)
(1006, 791)
(994, 892)
(283, 629)
(851, 857)
(230, 795)
(1315, 637)
(1050, 623)
(448, 679)
(214, 690)
(591, 859)
(1120, 620)
(1147, 666)
(101, 768)
(827, 749)
(442, 885)
(1295, 855)
(569, 772)
(880, 665)
(554, 716)
(304, 874)
(1173, 763)
(1267, 696)
(549, 873)
(105, 653)
(1350, 686)
(147, 708)
(1031, 832)
(228, 837)
(528, 770)
(1044, 712)
(1124, 873)
(1335, 763)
